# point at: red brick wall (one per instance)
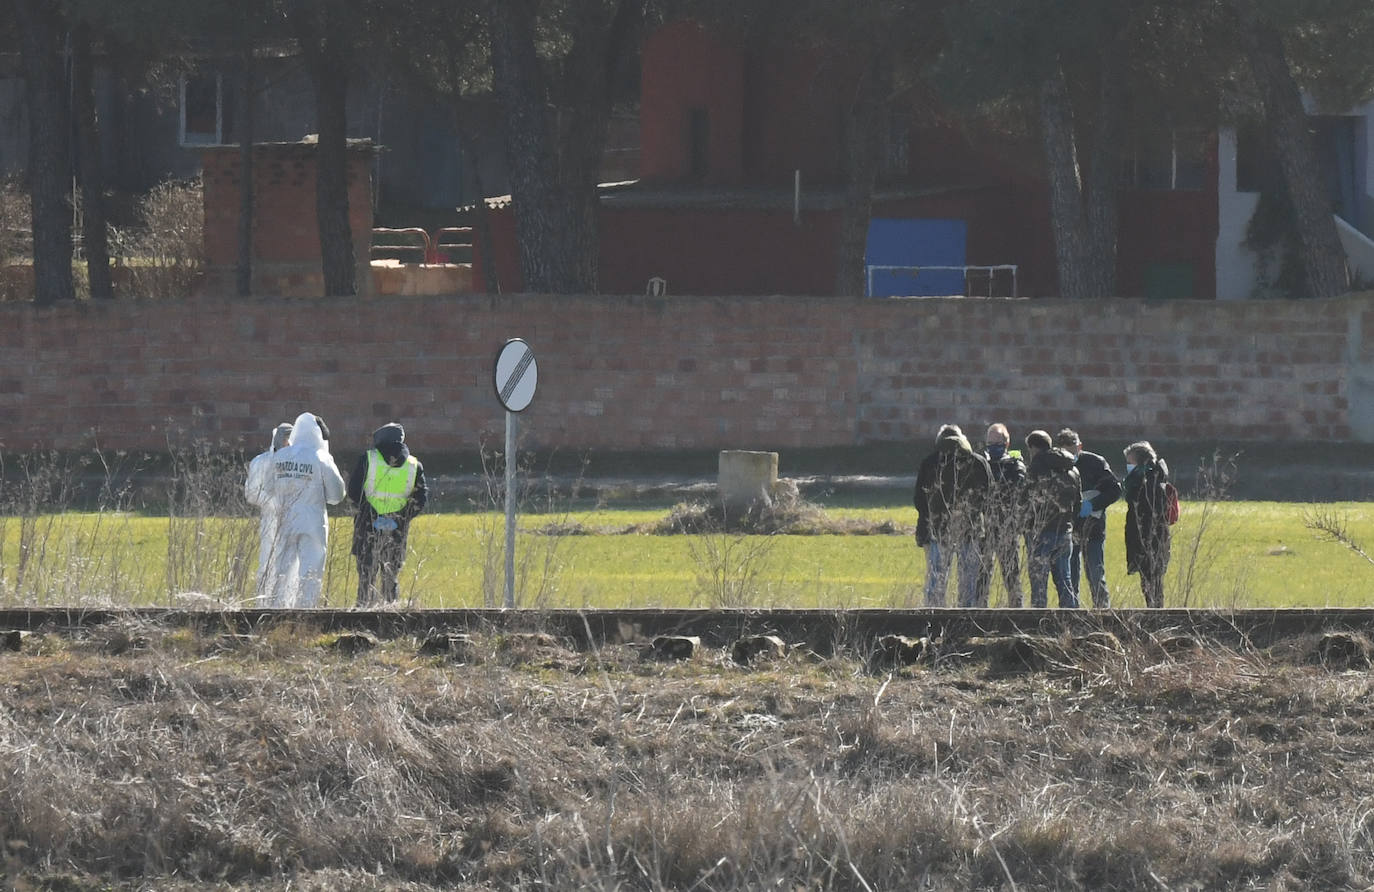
(621, 372)
(286, 235)
(685, 67)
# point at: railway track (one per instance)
(819, 629)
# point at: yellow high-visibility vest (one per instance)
(387, 488)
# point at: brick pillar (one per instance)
(286, 240)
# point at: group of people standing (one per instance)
(294, 481)
(976, 508)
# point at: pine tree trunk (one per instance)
(1322, 254)
(243, 272)
(1072, 240)
(1101, 197)
(543, 219)
(329, 51)
(93, 232)
(331, 187)
(862, 141)
(50, 166)
(582, 143)
(554, 169)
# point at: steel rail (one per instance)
(820, 629)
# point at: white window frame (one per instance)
(218, 138)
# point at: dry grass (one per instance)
(147, 758)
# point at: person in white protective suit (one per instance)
(257, 489)
(304, 480)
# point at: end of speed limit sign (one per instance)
(516, 375)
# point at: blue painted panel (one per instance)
(916, 243)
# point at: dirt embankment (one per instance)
(186, 759)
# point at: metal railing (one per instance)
(412, 241)
(453, 244)
(991, 272)
(412, 244)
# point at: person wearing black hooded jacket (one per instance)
(1004, 532)
(951, 488)
(1147, 527)
(388, 487)
(1100, 490)
(1052, 498)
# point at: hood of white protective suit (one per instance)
(307, 432)
(281, 437)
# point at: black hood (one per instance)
(1055, 459)
(954, 443)
(395, 453)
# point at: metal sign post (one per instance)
(516, 376)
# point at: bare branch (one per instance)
(1330, 525)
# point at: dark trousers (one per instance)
(1088, 555)
(1004, 547)
(379, 564)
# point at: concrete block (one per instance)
(746, 479)
(900, 650)
(352, 644)
(454, 646)
(675, 647)
(758, 648)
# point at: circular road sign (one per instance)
(516, 375)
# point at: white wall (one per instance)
(1236, 266)
(1235, 263)
(1359, 252)
(1368, 146)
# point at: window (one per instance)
(1173, 160)
(1169, 280)
(698, 136)
(1337, 138)
(206, 118)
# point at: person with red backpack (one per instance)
(1151, 506)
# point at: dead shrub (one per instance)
(165, 254)
(787, 516)
(16, 223)
(1337, 650)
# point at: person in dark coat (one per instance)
(388, 487)
(1147, 528)
(1100, 489)
(1052, 498)
(1005, 529)
(951, 484)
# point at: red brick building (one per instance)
(286, 234)
(729, 131)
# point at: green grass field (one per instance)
(1230, 554)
